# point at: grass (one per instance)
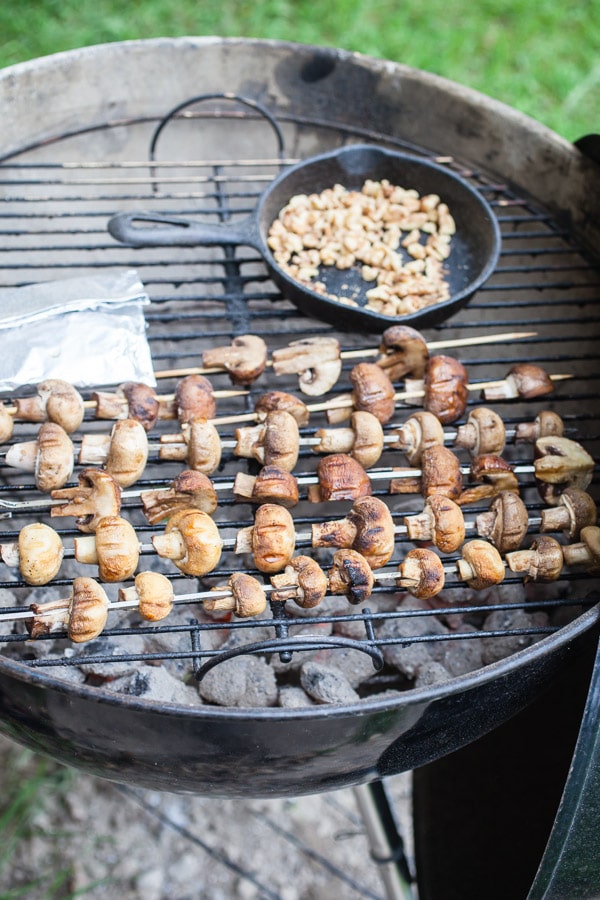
(541, 58)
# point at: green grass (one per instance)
(541, 58)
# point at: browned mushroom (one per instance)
(420, 431)
(561, 463)
(303, 581)
(505, 523)
(244, 359)
(55, 401)
(273, 442)
(542, 562)
(114, 548)
(492, 474)
(199, 445)
(367, 528)
(192, 541)
(340, 478)
(194, 399)
(123, 453)
(245, 597)
(84, 613)
(373, 391)
(153, 593)
(445, 384)
(440, 474)
(316, 360)
(38, 553)
(271, 539)
(97, 495)
(545, 423)
(575, 510)
(50, 457)
(421, 573)
(271, 485)
(403, 352)
(279, 400)
(188, 490)
(351, 575)
(363, 440)
(132, 400)
(524, 380)
(483, 432)
(7, 424)
(586, 552)
(480, 565)
(441, 522)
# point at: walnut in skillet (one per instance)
(54, 401)
(96, 496)
(244, 359)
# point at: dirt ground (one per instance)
(86, 837)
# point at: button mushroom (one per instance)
(403, 352)
(363, 440)
(194, 399)
(271, 485)
(7, 424)
(84, 612)
(441, 522)
(420, 431)
(188, 490)
(55, 401)
(245, 597)
(440, 474)
(316, 360)
(492, 474)
(153, 593)
(132, 400)
(351, 575)
(274, 442)
(244, 359)
(373, 391)
(445, 384)
(192, 541)
(97, 495)
(124, 453)
(545, 423)
(199, 445)
(368, 528)
(271, 539)
(340, 478)
(586, 552)
(279, 400)
(421, 573)
(49, 457)
(114, 548)
(480, 565)
(483, 432)
(524, 380)
(561, 463)
(575, 510)
(505, 523)
(38, 553)
(542, 562)
(303, 581)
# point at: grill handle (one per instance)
(140, 229)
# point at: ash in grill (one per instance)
(338, 654)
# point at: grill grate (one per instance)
(55, 205)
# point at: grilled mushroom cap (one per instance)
(545, 423)
(441, 521)
(273, 538)
(420, 431)
(481, 565)
(403, 352)
(440, 473)
(128, 452)
(40, 553)
(373, 391)
(363, 440)
(248, 595)
(446, 388)
(192, 540)
(7, 424)
(421, 573)
(340, 478)
(132, 400)
(279, 400)
(302, 581)
(561, 463)
(245, 358)
(88, 610)
(204, 445)
(154, 594)
(505, 523)
(575, 510)
(271, 485)
(188, 490)
(55, 401)
(316, 360)
(483, 432)
(524, 380)
(586, 552)
(114, 547)
(274, 442)
(98, 495)
(368, 528)
(542, 562)
(351, 575)
(194, 399)
(49, 457)
(494, 474)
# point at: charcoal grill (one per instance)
(82, 142)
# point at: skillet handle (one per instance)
(140, 229)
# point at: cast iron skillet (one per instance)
(474, 250)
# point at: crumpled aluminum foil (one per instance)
(89, 331)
